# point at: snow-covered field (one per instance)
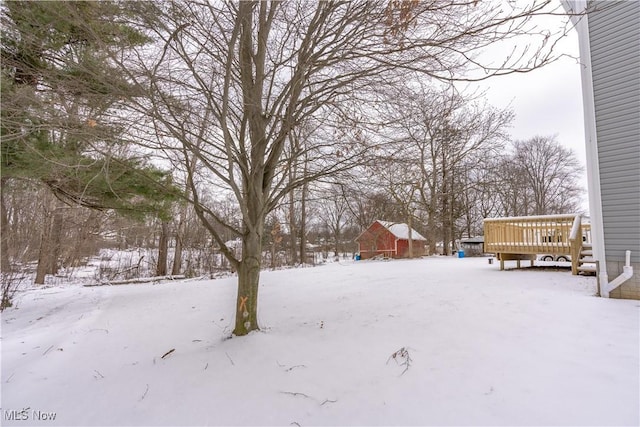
(486, 347)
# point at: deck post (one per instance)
(575, 242)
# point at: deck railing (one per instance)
(575, 243)
(545, 234)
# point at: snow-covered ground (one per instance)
(487, 347)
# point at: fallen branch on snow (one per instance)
(135, 267)
(138, 280)
(296, 393)
(230, 359)
(168, 353)
(402, 358)
(290, 368)
(145, 393)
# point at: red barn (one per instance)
(389, 239)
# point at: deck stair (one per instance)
(586, 263)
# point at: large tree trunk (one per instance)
(410, 225)
(177, 258)
(432, 207)
(86, 240)
(44, 255)
(56, 240)
(293, 238)
(248, 281)
(446, 226)
(4, 233)
(50, 240)
(451, 220)
(180, 232)
(431, 235)
(273, 254)
(303, 223)
(48, 237)
(163, 249)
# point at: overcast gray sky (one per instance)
(546, 101)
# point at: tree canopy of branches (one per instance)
(539, 177)
(227, 84)
(441, 137)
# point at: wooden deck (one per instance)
(523, 238)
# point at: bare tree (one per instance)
(443, 137)
(399, 177)
(163, 249)
(180, 230)
(334, 213)
(5, 266)
(51, 238)
(537, 176)
(511, 187)
(297, 209)
(231, 81)
(367, 201)
(551, 172)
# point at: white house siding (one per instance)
(614, 35)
